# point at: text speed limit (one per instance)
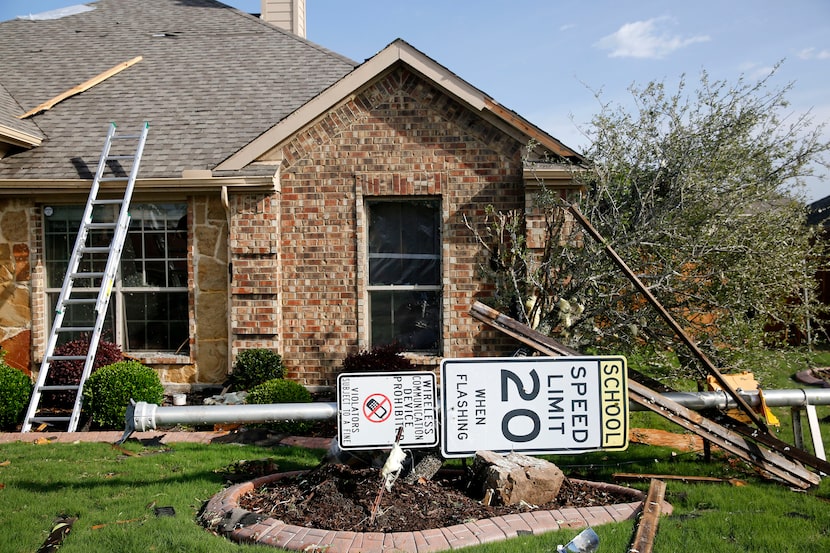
(534, 404)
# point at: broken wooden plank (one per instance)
(643, 541)
(86, 85)
(777, 465)
(680, 478)
(772, 463)
(664, 438)
(519, 331)
(643, 289)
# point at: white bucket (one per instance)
(179, 399)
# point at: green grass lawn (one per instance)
(114, 496)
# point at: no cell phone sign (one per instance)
(373, 406)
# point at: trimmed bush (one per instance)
(15, 390)
(380, 359)
(109, 390)
(69, 372)
(254, 367)
(278, 390)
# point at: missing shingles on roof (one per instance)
(58, 13)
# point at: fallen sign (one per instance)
(536, 405)
(371, 407)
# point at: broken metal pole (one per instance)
(144, 416)
(148, 416)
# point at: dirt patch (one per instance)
(337, 497)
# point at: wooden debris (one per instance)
(86, 85)
(664, 438)
(60, 530)
(772, 463)
(647, 527)
(638, 476)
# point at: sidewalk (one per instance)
(160, 436)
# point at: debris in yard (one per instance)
(586, 541)
(647, 527)
(164, 511)
(62, 527)
(664, 438)
(637, 476)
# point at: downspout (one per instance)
(223, 196)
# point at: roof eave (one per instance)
(19, 138)
(41, 187)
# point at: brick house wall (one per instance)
(399, 136)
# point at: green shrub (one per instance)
(109, 390)
(15, 389)
(254, 367)
(278, 390)
(381, 359)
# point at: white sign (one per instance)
(533, 405)
(373, 406)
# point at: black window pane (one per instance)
(410, 318)
(402, 270)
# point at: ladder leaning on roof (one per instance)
(98, 282)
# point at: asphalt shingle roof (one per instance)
(211, 79)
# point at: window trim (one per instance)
(364, 207)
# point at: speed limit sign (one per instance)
(534, 405)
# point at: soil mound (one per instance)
(338, 497)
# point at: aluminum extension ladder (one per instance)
(99, 283)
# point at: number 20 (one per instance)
(507, 377)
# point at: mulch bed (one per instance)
(338, 497)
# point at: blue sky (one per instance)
(545, 58)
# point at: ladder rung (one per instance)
(58, 387)
(49, 419)
(66, 358)
(112, 179)
(87, 275)
(75, 329)
(106, 202)
(101, 225)
(95, 249)
(79, 301)
(125, 136)
(121, 156)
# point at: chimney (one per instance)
(286, 14)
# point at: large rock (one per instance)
(514, 478)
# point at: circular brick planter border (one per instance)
(223, 515)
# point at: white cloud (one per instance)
(813, 54)
(645, 39)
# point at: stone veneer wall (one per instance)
(15, 283)
(398, 137)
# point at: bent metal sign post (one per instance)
(534, 405)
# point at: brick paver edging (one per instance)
(223, 515)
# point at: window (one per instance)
(405, 273)
(148, 309)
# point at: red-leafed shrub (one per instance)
(64, 372)
(380, 359)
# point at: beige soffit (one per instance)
(18, 138)
(41, 187)
(398, 51)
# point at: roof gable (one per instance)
(396, 53)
